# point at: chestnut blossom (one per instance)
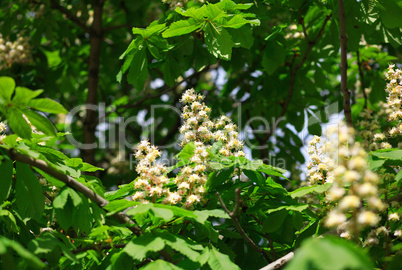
(198, 129)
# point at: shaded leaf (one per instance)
(29, 197)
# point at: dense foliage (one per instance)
(81, 186)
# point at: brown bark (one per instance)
(88, 155)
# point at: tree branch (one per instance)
(344, 64)
(233, 216)
(77, 186)
(70, 16)
(279, 262)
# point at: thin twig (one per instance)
(70, 16)
(359, 64)
(294, 69)
(270, 242)
(344, 64)
(279, 262)
(233, 216)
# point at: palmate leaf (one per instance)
(218, 40)
(139, 247)
(219, 261)
(23, 95)
(182, 27)
(29, 197)
(61, 200)
(183, 246)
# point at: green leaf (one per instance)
(152, 29)
(29, 196)
(186, 153)
(274, 221)
(61, 200)
(27, 256)
(218, 40)
(7, 86)
(296, 208)
(9, 220)
(18, 124)
(6, 172)
(119, 205)
(306, 190)
(274, 57)
(217, 178)
(165, 214)
(66, 215)
(83, 217)
(182, 27)
(139, 247)
(181, 245)
(160, 265)
(230, 5)
(398, 176)
(196, 13)
(393, 154)
(219, 261)
(329, 253)
(203, 215)
(375, 162)
(40, 122)
(242, 37)
(123, 191)
(23, 95)
(138, 73)
(390, 13)
(46, 105)
(236, 21)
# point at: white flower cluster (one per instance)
(199, 128)
(293, 33)
(18, 52)
(191, 180)
(394, 99)
(370, 127)
(152, 182)
(318, 167)
(355, 187)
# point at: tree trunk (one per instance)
(88, 154)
